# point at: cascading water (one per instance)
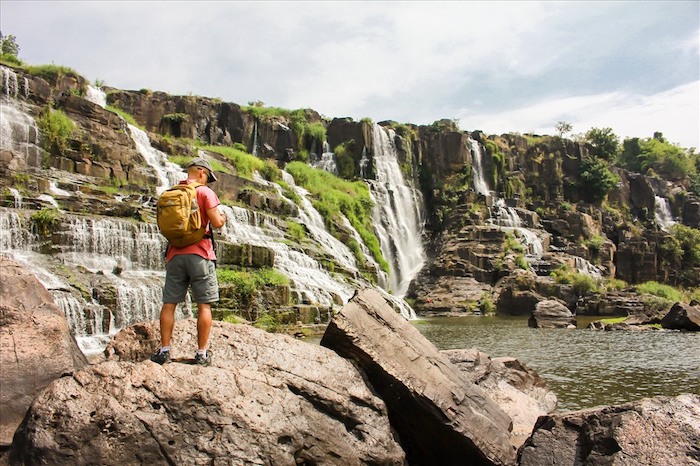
(478, 175)
(313, 221)
(398, 214)
(255, 139)
(327, 160)
(311, 281)
(508, 218)
(363, 163)
(662, 213)
(19, 133)
(168, 173)
(502, 215)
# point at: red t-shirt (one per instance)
(206, 199)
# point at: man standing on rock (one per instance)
(193, 267)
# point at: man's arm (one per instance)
(216, 217)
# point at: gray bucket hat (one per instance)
(200, 162)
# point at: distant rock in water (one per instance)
(682, 317)
(551, 313)
(36, 346)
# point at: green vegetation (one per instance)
(562, 127)
(176, 117)
(57, 129)
(659, 289)
(681, 252)
(9, 50)
(305, 131)
(247, 284)
(259, 111)
(44, 220)
(596, 179)
(333, 195)
(605, 143)
(582, 283)
(126, 116)
(296, 230)
(246, 163)
(658, 156)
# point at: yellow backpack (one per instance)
(178, 215)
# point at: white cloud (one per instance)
(675, 113)
(499, 65)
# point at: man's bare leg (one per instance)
(167, 323)
(203, 324)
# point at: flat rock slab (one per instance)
(266, 399)
(440, 416)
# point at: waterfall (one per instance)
(363, 163)
(19, 133)
(508, 219)
(17, 197)
(255, 139)
(584, 267)
(168, 173)
(662, 213)
(96, 96)
(105, 244)
(98, 246)
(397, 215)
(307, 276)
(11, 86)
(480, 184)
(14, 235)
(313, 221)
(327, 160)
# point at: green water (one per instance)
(584, 368)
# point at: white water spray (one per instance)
(397, 215)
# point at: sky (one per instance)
(494, 66)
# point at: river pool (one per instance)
(584, 368)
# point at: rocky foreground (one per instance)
(375, 392)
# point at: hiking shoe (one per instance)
(161, 357)
(203, 359)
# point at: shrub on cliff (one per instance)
(596, 179)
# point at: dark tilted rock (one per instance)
(266, 399)
(36, 346)
(551, 314)
(682, 317)
(649, 432)
(517, 389)
(440, 417)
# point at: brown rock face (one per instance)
(519, 390)
(650, 432)
(36, 346)
(440, 417)
(266, 399)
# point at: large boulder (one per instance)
(682, 317)
(266, 399)
(517, 389)
(649, 432)
(36, 346)
(551, 313)
(440, 417)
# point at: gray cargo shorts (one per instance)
(190, 270)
